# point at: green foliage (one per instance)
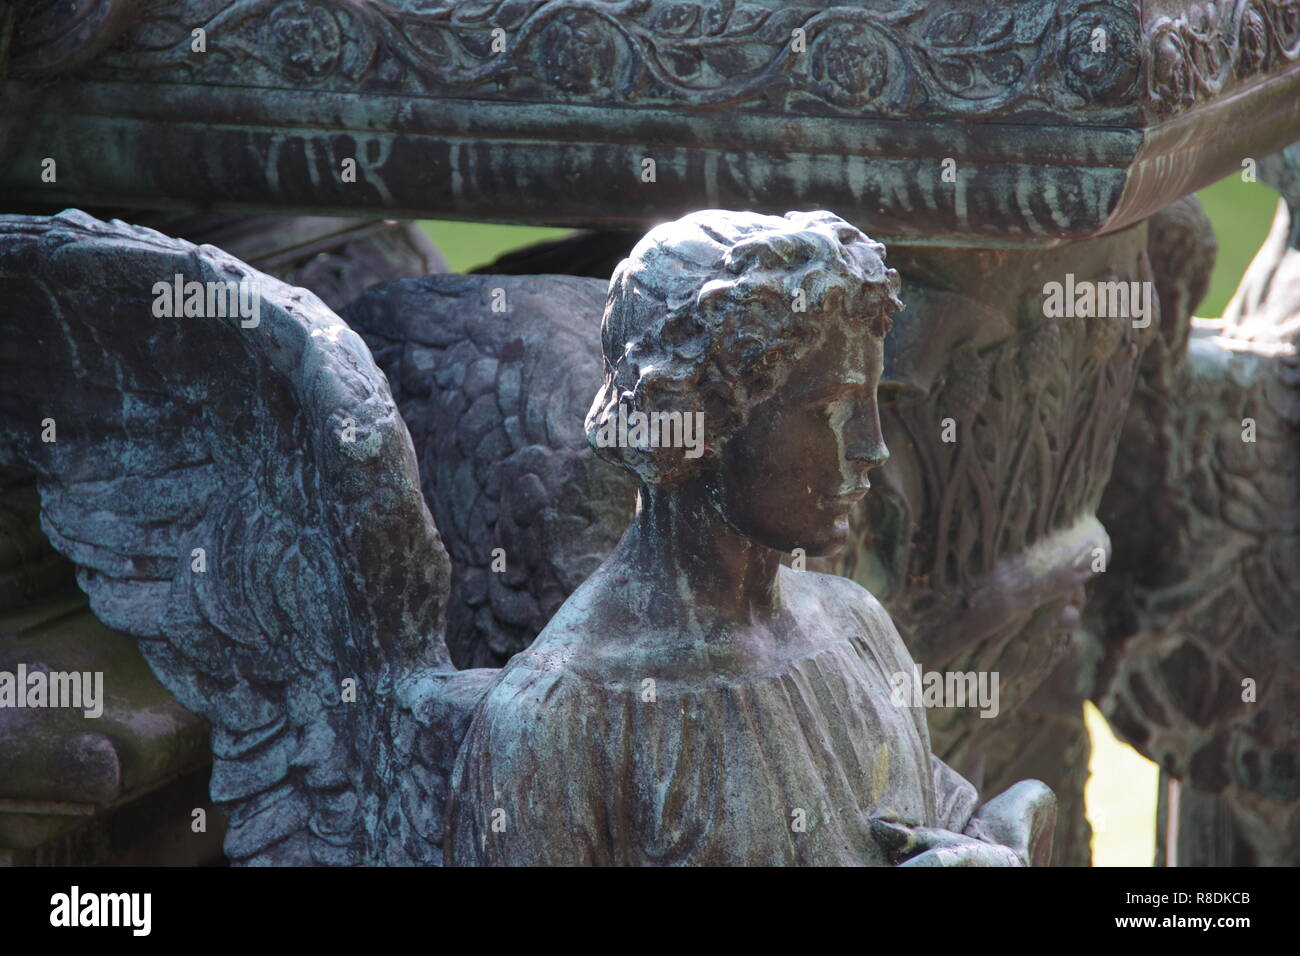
(1241, 213)
(468, 245)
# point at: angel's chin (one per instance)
(829, 541)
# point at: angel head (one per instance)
(763, 335)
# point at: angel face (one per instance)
(789, 477)
(704, 309)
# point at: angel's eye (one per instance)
(894, 394)
(829, 397)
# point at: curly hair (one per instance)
(708, 313)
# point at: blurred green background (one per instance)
(1241, 213)
(1121, 794)
(468, 245)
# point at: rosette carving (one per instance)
(1099, 54)
(864, 59)
(308, 38)
(1217, 47)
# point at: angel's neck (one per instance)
(689, 554)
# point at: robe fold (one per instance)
(569, 765)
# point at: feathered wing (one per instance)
(241, 494)
(494, 375)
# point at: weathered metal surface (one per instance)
(215, 507)
(1197, 624)
(243, 499)
(336, 258)
(545, 111)
(74, 789)
(494, 400)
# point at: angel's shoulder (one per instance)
(838, 595)
(853, 608)
(534, 681)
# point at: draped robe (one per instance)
(566, 763)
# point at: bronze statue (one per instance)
(262, 531)
(695, 701)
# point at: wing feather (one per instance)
(245, 499)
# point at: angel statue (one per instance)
(238, 491)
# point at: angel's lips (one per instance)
(844, 502)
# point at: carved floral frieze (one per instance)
(903, 59)
(878, 59)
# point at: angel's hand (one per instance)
(908, 845)
(1022, 818)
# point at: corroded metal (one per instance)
(546, 111)
(996, 148)
(299, 607)
(1198, 626)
